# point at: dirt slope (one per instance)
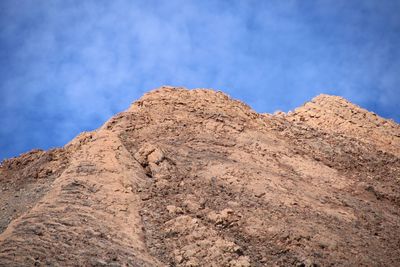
(194, 178)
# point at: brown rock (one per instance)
(195, 178)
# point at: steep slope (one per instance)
(336, 114)
(88, 215)
(194, 178)
(24, 180)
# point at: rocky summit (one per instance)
(195, 178)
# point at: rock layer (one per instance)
(194, 178)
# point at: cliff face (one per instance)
(194, 178)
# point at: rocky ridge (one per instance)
(195, 178)
(336, 114)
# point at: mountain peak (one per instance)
(173, 92)
(338, 103)
(169, 99)
(338, 115)
(196, 178)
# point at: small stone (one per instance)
(174, 210)
(260, 194)
(99, 262)
(191, 205)
(146, 197)
(242, 261)
(156, 156)
(179, 259)
(225, 213)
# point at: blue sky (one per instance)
(67, 66)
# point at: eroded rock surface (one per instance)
(194, 178)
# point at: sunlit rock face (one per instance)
(195, 178)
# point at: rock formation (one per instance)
(194, 178)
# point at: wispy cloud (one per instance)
(66, 66)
